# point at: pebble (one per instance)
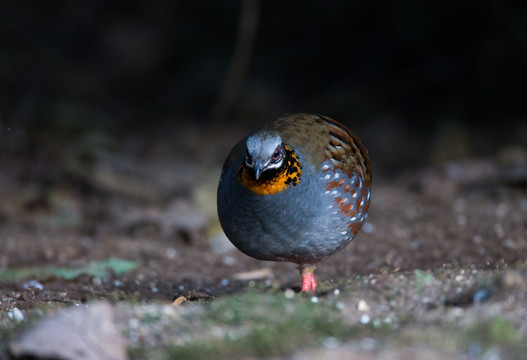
(15, 315)
(33, 285)
(367, 344)
(512, 279)
(368, 228)
(340, 306)
(457, 311)
(289, 294)
(227, 260)
(365, 319)
(134, 323)
(170, 253)
(331, 342)
(363, 306)
(481, 295)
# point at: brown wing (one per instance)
(315, 132)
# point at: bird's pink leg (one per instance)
(309, 284)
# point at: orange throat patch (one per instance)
(273, 181)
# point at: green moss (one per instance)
(497, 331)
(422, 279)
(264, 325)
(96, 269)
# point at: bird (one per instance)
(297, 190)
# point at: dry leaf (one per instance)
(253, 274)
(85, 333)
(178, 301)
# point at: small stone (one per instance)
(331, 342)
(133, 323)
(365, 319)
(368, 228)
(481, 295)
(15, 315)
(457, 311)
(170, 253)
(509, 243)
(367, 344)
(289, 293)
(363, 306)
(227, 260)
(33, 285)
(512, 279)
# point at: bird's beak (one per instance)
(258, 165)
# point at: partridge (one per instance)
(297, 190)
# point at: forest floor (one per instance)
(438, 271)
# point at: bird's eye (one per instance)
(248, 159)
(276, 154)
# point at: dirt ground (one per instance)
(443, 238)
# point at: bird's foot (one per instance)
(309, 284)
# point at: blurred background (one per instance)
(116, 117)
(420, 82)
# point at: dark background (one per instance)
(421, 82)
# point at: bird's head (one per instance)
(264, 151)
